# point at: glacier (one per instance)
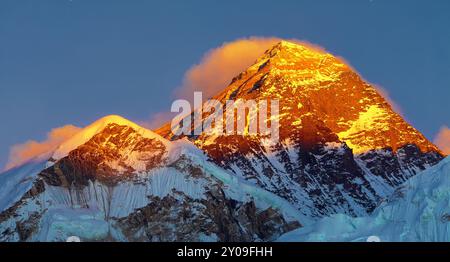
(418, 211)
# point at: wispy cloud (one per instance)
(442, 140)
(219, 65)
(39, 150)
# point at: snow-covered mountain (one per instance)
(342, 148)
(116, 181)
(418, 211)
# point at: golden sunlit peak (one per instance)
(296, 51)
(98, 126)
(286, 43)
(297, 45)
(114, 119)
(301, 63)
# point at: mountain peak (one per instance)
(115, 119)
(301, 63)
(289, 44)
(285, 43)
(297, 49)
(313, 85)
(97, 127)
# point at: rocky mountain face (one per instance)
(129, 184)
(341, 149)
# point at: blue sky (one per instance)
(71, 62)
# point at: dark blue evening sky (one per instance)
(71, 62)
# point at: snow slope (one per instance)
(419, 210)
(15, 182)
